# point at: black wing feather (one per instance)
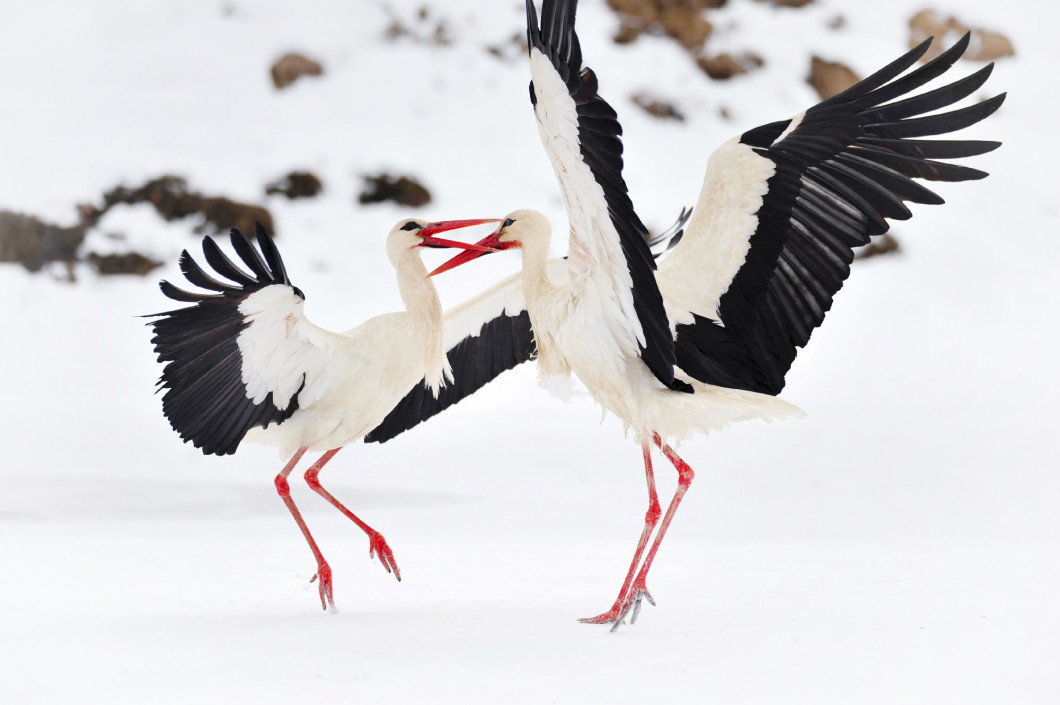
(844, 169)
(599, 135)
(501, 344)
(205, 399)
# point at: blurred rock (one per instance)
(984, 46)
(788, 3)
(221, 214)
(128, 263)
(402, 190)
(658, 108)
(173, 200)
(885, 244)
(427, 31)
(724, 66)
(33, 243)
(514, 49)
(681, 19)
(297, 184)
(830, 78)
(291, 67)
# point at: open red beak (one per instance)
(487, 245)
(445, 225)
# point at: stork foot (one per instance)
(377, 545)
(627, 604)
(323, 574)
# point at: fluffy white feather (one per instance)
(699, 269)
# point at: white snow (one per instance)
(897, 546)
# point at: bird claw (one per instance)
(638, 595)
(378, 545)
(630, 605)
(324, 575)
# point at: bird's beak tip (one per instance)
(488, 245)
(441, 226)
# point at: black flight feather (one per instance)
(845, 168)
(204, 396)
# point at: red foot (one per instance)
(324, 575)
(638, 591)
(377, 544)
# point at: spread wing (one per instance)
(610, 260)
(783, 205)
(484, 337)
(238, 357)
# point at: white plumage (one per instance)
(245, 364)
(706, 337)
(697, 271)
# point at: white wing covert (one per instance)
(239, 357)
(611, 264)
(484, 337)
(783, 205)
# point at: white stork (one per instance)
(706, 337)
(244, 363)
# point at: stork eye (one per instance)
(411, 225)
(508, 223)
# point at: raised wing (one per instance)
(783, 205)
(238, 357)
(609, 251)
(484, 337)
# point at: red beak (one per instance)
(487, 245)
(445, 225)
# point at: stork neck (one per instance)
(424, 311)
(536, 283)
(418, 293)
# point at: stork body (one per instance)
(707, 336)
(245, 364)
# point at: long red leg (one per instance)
(376, 542)
(323, 569)
(685, 475)
(651, 518)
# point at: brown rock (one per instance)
(627, 33)
(33, 243)
(514, 49)
(658, 108)
(687, 26)
(885, 244)
(129, 263)
(290, 67)
(985, 45)
(174, 201)
(724, 66)
(681, 19)
(402, 190)
(422, 28)
(221, 214)
(830, 78)
(297, 184)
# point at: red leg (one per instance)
(376, 542)
(685, 475)
(323, 569)
(651, 518)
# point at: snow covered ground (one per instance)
(900, 545)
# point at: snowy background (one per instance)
(900, 545)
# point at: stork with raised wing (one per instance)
(706, 337)
(243, 363)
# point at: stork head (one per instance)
(413, 232)
(519, 227)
